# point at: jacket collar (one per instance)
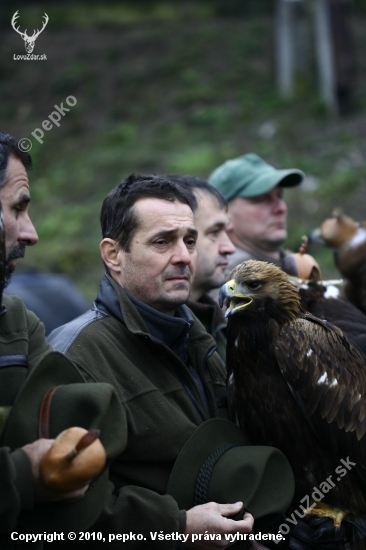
(113, 300)
(164, 328)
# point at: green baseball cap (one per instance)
(250, 176)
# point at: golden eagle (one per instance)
(297, 383)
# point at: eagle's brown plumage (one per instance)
(297, 383)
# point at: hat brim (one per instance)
(54, 369)
(267, 484)
(269, 179)
(208, 436)
(68, 408)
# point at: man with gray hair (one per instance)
(257, 211)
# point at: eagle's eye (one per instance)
(254, 284)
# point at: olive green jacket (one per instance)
(22, 344)
(111, 343)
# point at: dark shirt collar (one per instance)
(167, 329)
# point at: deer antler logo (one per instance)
(28, 40)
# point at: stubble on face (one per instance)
(16, 252)
(159, 287)
(259, 223)
(159, 268)
(213, 245)
(14, 200)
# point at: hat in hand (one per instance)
(250, 176)
(218, 465)
(73, 403)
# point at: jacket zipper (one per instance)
(205, 386)
(194, 401)
(184, 384)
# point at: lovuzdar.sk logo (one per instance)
(29, 41)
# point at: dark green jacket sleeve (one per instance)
(16, 487)
(37, 343)
(134, 510)
(21, 333)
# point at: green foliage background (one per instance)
(167, 87)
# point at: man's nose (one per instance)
(226, 246)
(181, 254)
(279, 206)
(27, 234)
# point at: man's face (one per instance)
(260, 222)
(15, 198)
(160, 266)
(213, 244)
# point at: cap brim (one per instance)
(290, 178)
(270, 179)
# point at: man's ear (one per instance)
(109, 249)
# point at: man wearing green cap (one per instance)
(257, 210)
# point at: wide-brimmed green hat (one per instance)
(250, 176)
(218, 465)
(73, 403)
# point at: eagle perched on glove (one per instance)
(297, 383)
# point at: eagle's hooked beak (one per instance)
(238, 301)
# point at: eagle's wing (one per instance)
(327, 375)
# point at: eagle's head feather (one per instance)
(261, 288)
